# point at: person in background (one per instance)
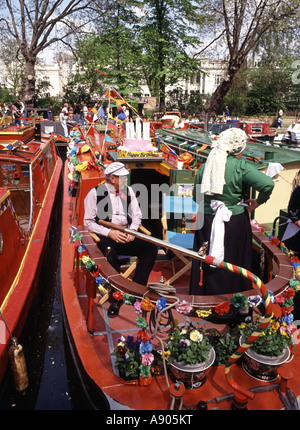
(227, 113)
(63, 116)
(76, 109)
(224, 179)
(16, 115)
(51, 113)
(84, 110)
(71, 113)
(113, 201)
(280, 118)
(6, 109)
(126, 111)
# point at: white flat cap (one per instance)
(117, 169)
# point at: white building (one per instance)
(204, 82)
(57, 74)
(211, 75)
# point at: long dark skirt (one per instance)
(238, 251)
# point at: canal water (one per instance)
(52, 383)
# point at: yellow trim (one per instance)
(17, 277)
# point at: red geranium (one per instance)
(223, 308)
(117, 295)
(275, 240)
(289, 293)
(142, 335)
(286, 311)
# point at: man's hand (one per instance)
(120, 236)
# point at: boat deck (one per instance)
(94, 335)
(104, 337)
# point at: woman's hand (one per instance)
(252, 204)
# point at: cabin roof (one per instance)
(265, 154)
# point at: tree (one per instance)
(13, 64)
(244, 23)
(111, 49)
(167, 36)
(33, 24)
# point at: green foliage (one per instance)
(167, 35)
(273, 340)
(128, 358)
(188, 104)
(189, 345)
(263, 90)
(7, 96)
(225, 344)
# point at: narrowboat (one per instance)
(258, 131)
(30, 171)
(292, 134)
(104, 348)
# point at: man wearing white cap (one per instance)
(115, 202)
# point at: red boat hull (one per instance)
(23, 251)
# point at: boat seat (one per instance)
(183, 206)
(127, 273)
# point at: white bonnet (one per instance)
(232, 140)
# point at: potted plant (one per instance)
(191, 355)
(128, 358)
(269, 351)
(224, 343)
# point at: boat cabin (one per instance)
(25, 171)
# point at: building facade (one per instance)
(56, 74)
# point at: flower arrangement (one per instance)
(134, 358)
(279, 333)
(127, 356)
(273, 340)
(188, 345)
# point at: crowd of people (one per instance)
(80, 112)
(96, 113)
(16, 111)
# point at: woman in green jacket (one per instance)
(225, 180)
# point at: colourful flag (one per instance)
(108, 139)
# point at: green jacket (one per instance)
(239, 176)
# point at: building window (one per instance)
(218, 79)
